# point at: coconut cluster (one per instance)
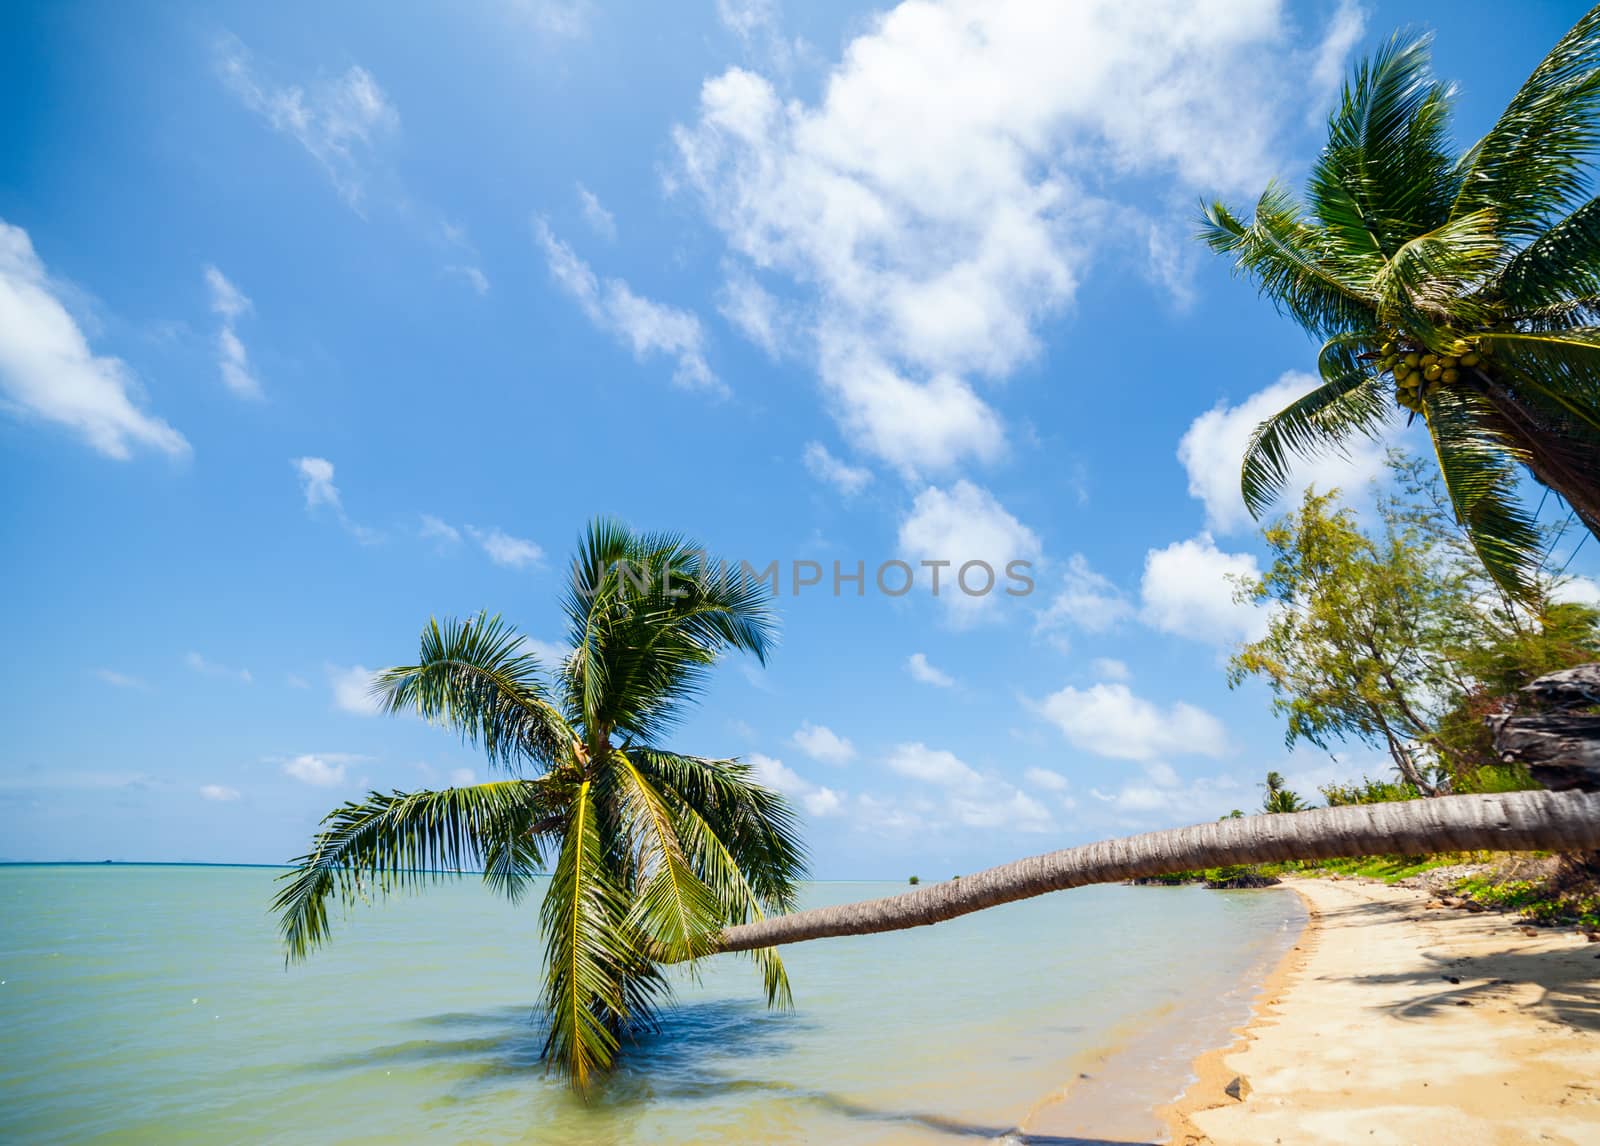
(1418, 371)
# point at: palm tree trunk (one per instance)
(1504, 821)
(1554, 459)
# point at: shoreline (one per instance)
(1393, 1021)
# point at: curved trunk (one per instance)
(1569, 467)
(1506, 821)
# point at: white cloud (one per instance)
(1087, 600)
(47, 370)
(931, 200)
(437, 529)
(294, 681)
(471, 275)
(352, 689)
(744, 18)
(1212, 451)
(339, 121)
(231, 304)
(932, 766)
(1109, 720)
(823, 466)
(218, 792)
(645, 326)
(1046, 779)
(1578, 591)
(120, 680)
(1017, 810)
(963, 524)
(316, 482)
(1109, 668)
(503, 549)
(1327, 71)
(820, 742)
(555, 20)
(1189, 589)
(755, 313)
(775, 774)
(318, 771)
(462, 777)
(601, 221)
(550, 654)
(209, 668)
(917, 665)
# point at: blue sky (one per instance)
(317, 320)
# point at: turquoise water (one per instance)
(151, 1004)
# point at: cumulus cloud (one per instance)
(948, 190)
(504, 549)
(1086, 600)
(352, 689)
(1212, 450)
(931, 765)
(1044, 778)
(646, 327)
(601, 221)
(218, 792)
(327, 771)
(1189, 590)
(230, 303)
(965, 523)
(823, 466)
(919, 668)
(775, 774)
(1577, 591)
(820, 742)
(754, 313)
(47, 370)
(1109, 668)
(1109, 720)
(340, 122)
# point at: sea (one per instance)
(151, 1004)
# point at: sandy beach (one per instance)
(1393, 1022)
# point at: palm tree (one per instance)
(655, 852)
(1504, 821)
(1279, 798)
(1463, 288)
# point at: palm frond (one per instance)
(1351, 401)
(1560, 268)
(477, 676)
(1480, 470)
(1384, 176)
(1291, 264)
(1429, 281)
(677, 915)
(588, 951)
(402, 841)
(1533, 165)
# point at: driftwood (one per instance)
(1555, 730)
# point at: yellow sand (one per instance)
(1361, 1037)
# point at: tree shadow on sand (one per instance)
(1568, 980)
(693, 1058)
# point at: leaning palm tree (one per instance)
(654, 852)
(1503, 821)
(1460, 288)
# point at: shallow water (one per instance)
(150, 1004)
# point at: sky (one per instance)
(320, 320)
